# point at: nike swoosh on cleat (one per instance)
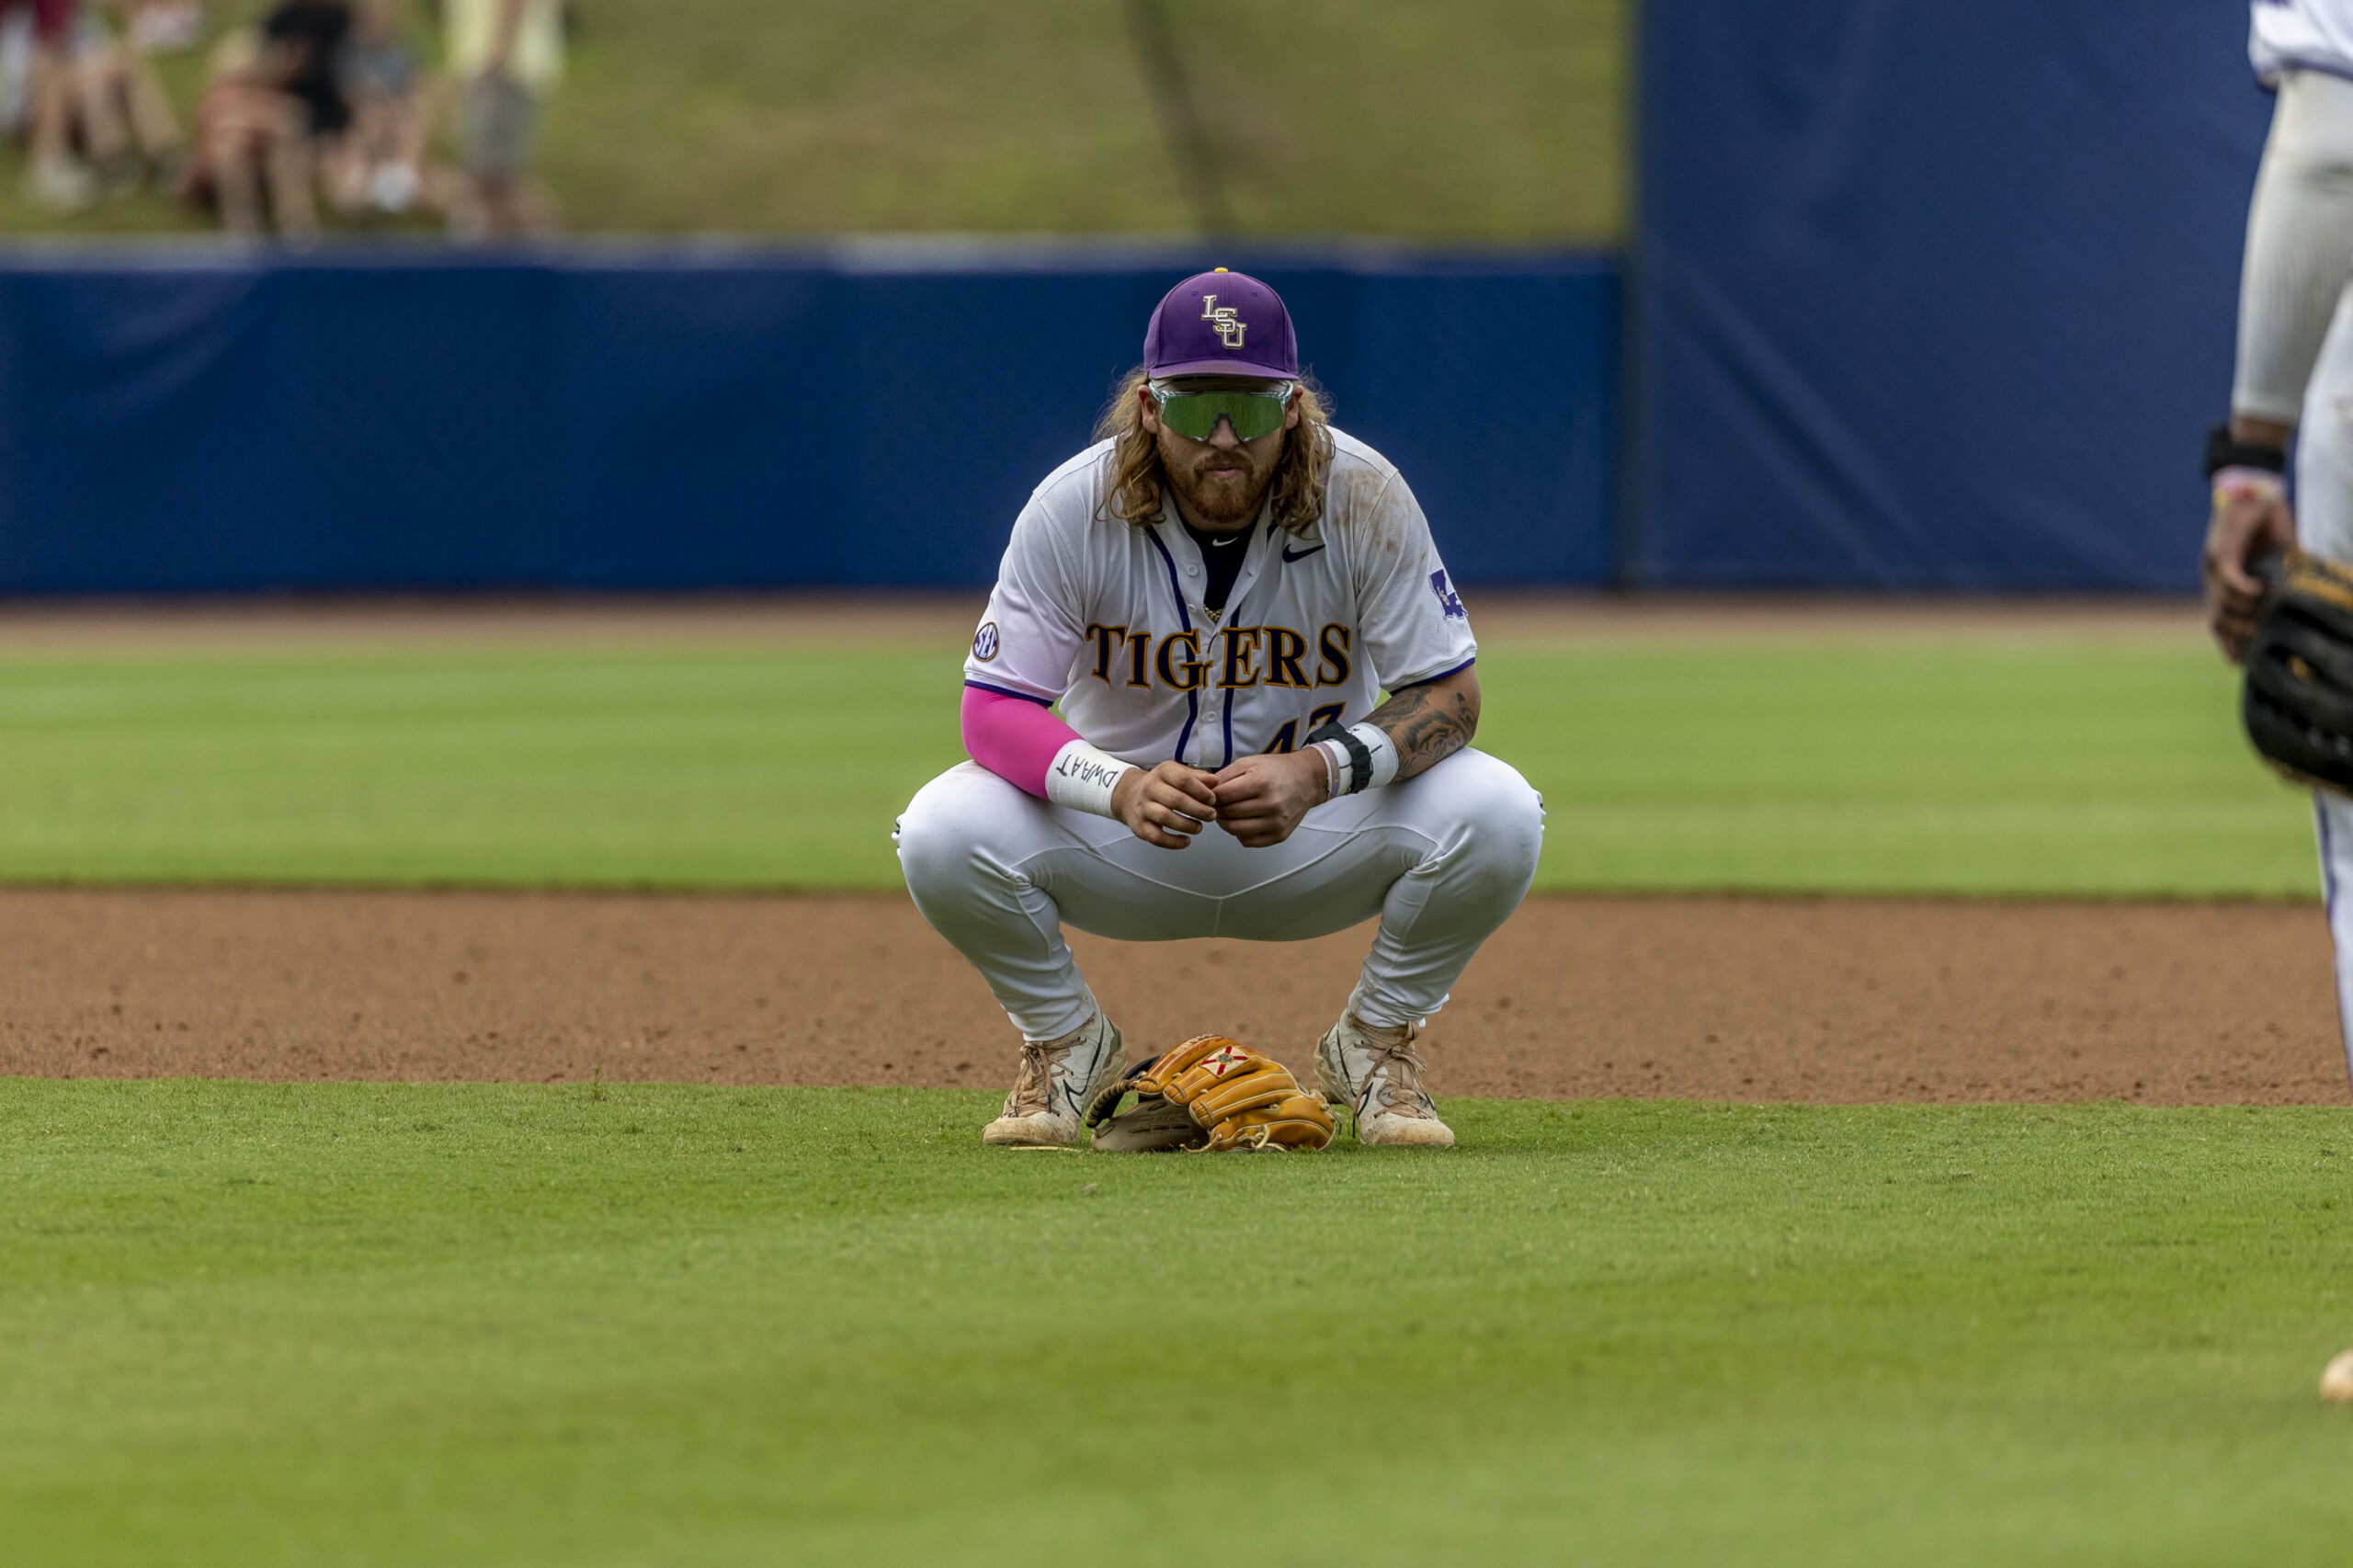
(1070, 1091)
(1303, 555)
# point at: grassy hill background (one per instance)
(1483, 121)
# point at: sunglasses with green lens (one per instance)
(1195, 414)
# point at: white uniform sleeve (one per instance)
(1028, 639)
(2293, 35)
(1410, 619)
(2299, 245)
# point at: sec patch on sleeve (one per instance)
(985, 641)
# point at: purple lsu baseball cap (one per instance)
(1220, 324)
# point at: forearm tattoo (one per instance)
(1428, 723)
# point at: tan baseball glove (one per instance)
(1209, 1094)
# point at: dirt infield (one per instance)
(1826, 1001)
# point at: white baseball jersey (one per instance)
(1106, 618)
(2300, 35)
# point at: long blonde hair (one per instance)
(1132, 490)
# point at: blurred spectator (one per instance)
(125, 117)
(15, 69)
(506, 56)
(380, 163)
(53, 175)
(163, 27)
(305, 42)
(273, 110)
(251, 140)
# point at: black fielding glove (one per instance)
(2297, 703)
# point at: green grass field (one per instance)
(484, 1325)
(2036, 766)
(633, 1324)
(1480, 121)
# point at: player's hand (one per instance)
(1261, 798)
(2241, 528)
(1165, 806)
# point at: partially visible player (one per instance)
(1216, 593)
(2295, 364)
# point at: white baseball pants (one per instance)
(2325, 526)
(1443, 859)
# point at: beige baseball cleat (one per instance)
(1048, 1106)
(1377, 1075)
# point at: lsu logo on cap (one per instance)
(1225, 320)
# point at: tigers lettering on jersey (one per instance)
(1243, 656)
(1105, 620)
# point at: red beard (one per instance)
(1222, 489)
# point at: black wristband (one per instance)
(1360, 753)
(2221, 452)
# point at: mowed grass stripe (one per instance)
(774, 767)
(465, 1324)
(1894, 765)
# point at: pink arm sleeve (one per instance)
(1013, 738)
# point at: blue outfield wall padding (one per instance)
(870, 416)
(1935, 297)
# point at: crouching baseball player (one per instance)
(2295, 369)
(1216, 593)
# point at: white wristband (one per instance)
(1384, 750)
(1335, 764)
(1082, 778)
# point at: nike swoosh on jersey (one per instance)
(1288, 557)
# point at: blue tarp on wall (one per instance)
(1935, 296)
(867, 416)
